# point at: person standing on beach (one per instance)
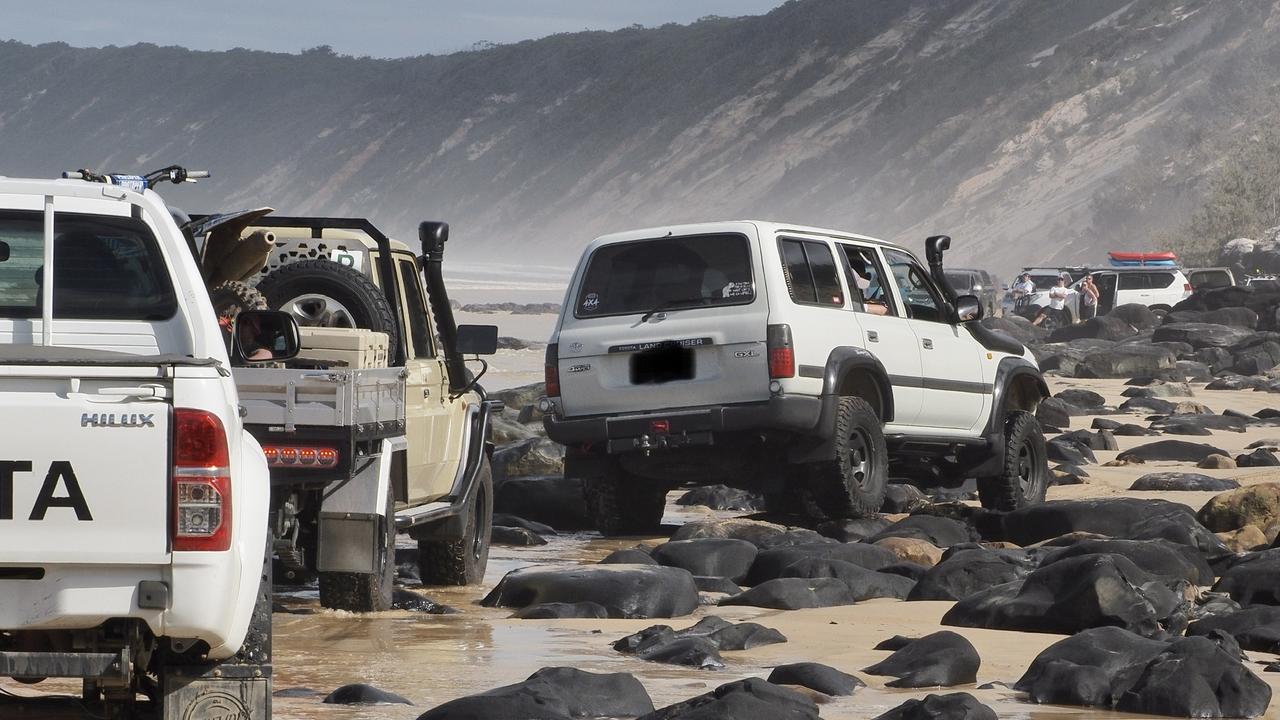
(1088, 298)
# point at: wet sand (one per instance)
(431, 659)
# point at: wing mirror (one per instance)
(968, 308)
(477, 339)
(265, 336)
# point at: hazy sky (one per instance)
(381, 28)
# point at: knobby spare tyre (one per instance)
(322, 293)
(229, 300)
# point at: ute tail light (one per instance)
(201, 482)
(782, 356)
(1186, 287)
(300, 456)
(551, 372)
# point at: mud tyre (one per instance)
(463, 561)
(322, 293)
(1024, 473)
(619, 503)
(851, 482)
(365, 592)
(229, 300)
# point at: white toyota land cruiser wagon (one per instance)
(807, 364)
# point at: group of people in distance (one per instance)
(1058, 295)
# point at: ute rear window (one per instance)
(104, 268)
(666, 274)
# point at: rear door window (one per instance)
(104, 268)
(810, 272)
(666, 274)
(1159, 281)
(1134, 281)
(866, 279)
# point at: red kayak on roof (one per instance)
(1142, 256)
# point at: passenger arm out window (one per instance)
(921, 298)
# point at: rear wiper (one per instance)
(666, 304)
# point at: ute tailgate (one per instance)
(84, 465)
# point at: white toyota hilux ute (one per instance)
(811, 365)
(133, 504)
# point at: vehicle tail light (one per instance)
(1186, 287)
(301, 456)
(782, 356)
(201, 482)
(551, 372)
(660, 427)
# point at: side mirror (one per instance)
(477, 339)
(265, 336)
(968, 308)
(4, 251)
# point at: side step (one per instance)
(90, 666)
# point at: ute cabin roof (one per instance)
(763, 227)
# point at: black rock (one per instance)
(361, 694)
(413, 602)
(711, 557)
(1182, 481)
(557, 610)
(750, 699)
(1160, 558)
(1091, 668)
(716, 585)
(900, 498)
(895, 643)
(1253, 579)
(1073, 594)
(1261, 457)
(1131, 430)
(1129, 518)
(853, 530)
(961, 574)
(1201, 335)
(940, 531)
(553, 500)
(1147, 405)
(1104, 424)
(1179, 450)
(912, 571)
(1105, 327)
(1255, 628)
(516, 536)
(770, 563)
(552, 694)
(722, 497)
(1081, 398)
(863, 584)
(788, 593)
(1137, 315)
(628, 556)
(1063, 451)
(942, 659)
(1198, 424)
(694, 651)
(761, 534)
(1237, 382)
(509, 520)
(1125, 361)
(816, 676)
(1056, 412)
(632, 591)
(952, 706)
(1072, 469)
(1197, 677)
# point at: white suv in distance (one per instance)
(807, 364)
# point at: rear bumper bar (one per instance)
(688, 426)
(88, 665)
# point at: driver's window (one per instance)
(919, 295)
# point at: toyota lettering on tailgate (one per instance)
(60, 475)
(640, 347)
